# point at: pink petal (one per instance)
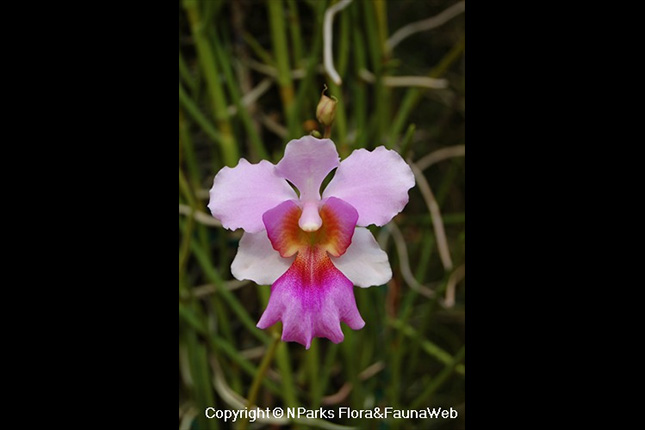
(338, 219)
(376, 183)
(281, 224)
(364, 263)
(257, 261)
(240, 195)
(306, 163)
(311, 299)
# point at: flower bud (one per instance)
(326, 110)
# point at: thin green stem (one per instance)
(242, 111)
(188, 150)
(343, 45)
(191, 108)
(221, 345)
(185, 74)
(330, 358)
(282, 356)
(255, 46)
(295, 32)
(259, 376)
(313, 367)
(327, 133)
(380, 10)
(184, 248)
(341, 60)
(427, 247)
(407, 139)
(440, 379)
(305, 88)
(376, 47)
(281, 53)
(228, 296)
(413, 95)
(454, 167)
(340, 120)
(429, 347)
(209, 68)
(426, 319)
(359, 87)
(200, 374)
(351, 367)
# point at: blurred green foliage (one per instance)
(250, 77)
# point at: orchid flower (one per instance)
(312, 248)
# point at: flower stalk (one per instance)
(259, 376)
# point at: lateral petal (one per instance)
(240, 195)
(364, 263)
(375, 182)
(257, 261)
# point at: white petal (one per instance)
(364, 262)
(240, 195)
(375, 182)
(257, 261)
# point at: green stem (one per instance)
(306, 84)
(340, 120)
(330, 358)
(440, 379)
(407, 139)
(284, 364)
(192, 109)
(257, 381)
(426, 319)
(242, 111)
(282, 356)
(255, 46)
(314, 373)
(380, 11)
(413, 96)
(188, 150)
(294, 32)
(218, 344)
(351, 367)
(201, 376)
(376, 47)
(343, 44)
(233, 303)
(430, 348)
(185, 73)
(184, 249)
(359, 100)
(215, 90)
(281, 53)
